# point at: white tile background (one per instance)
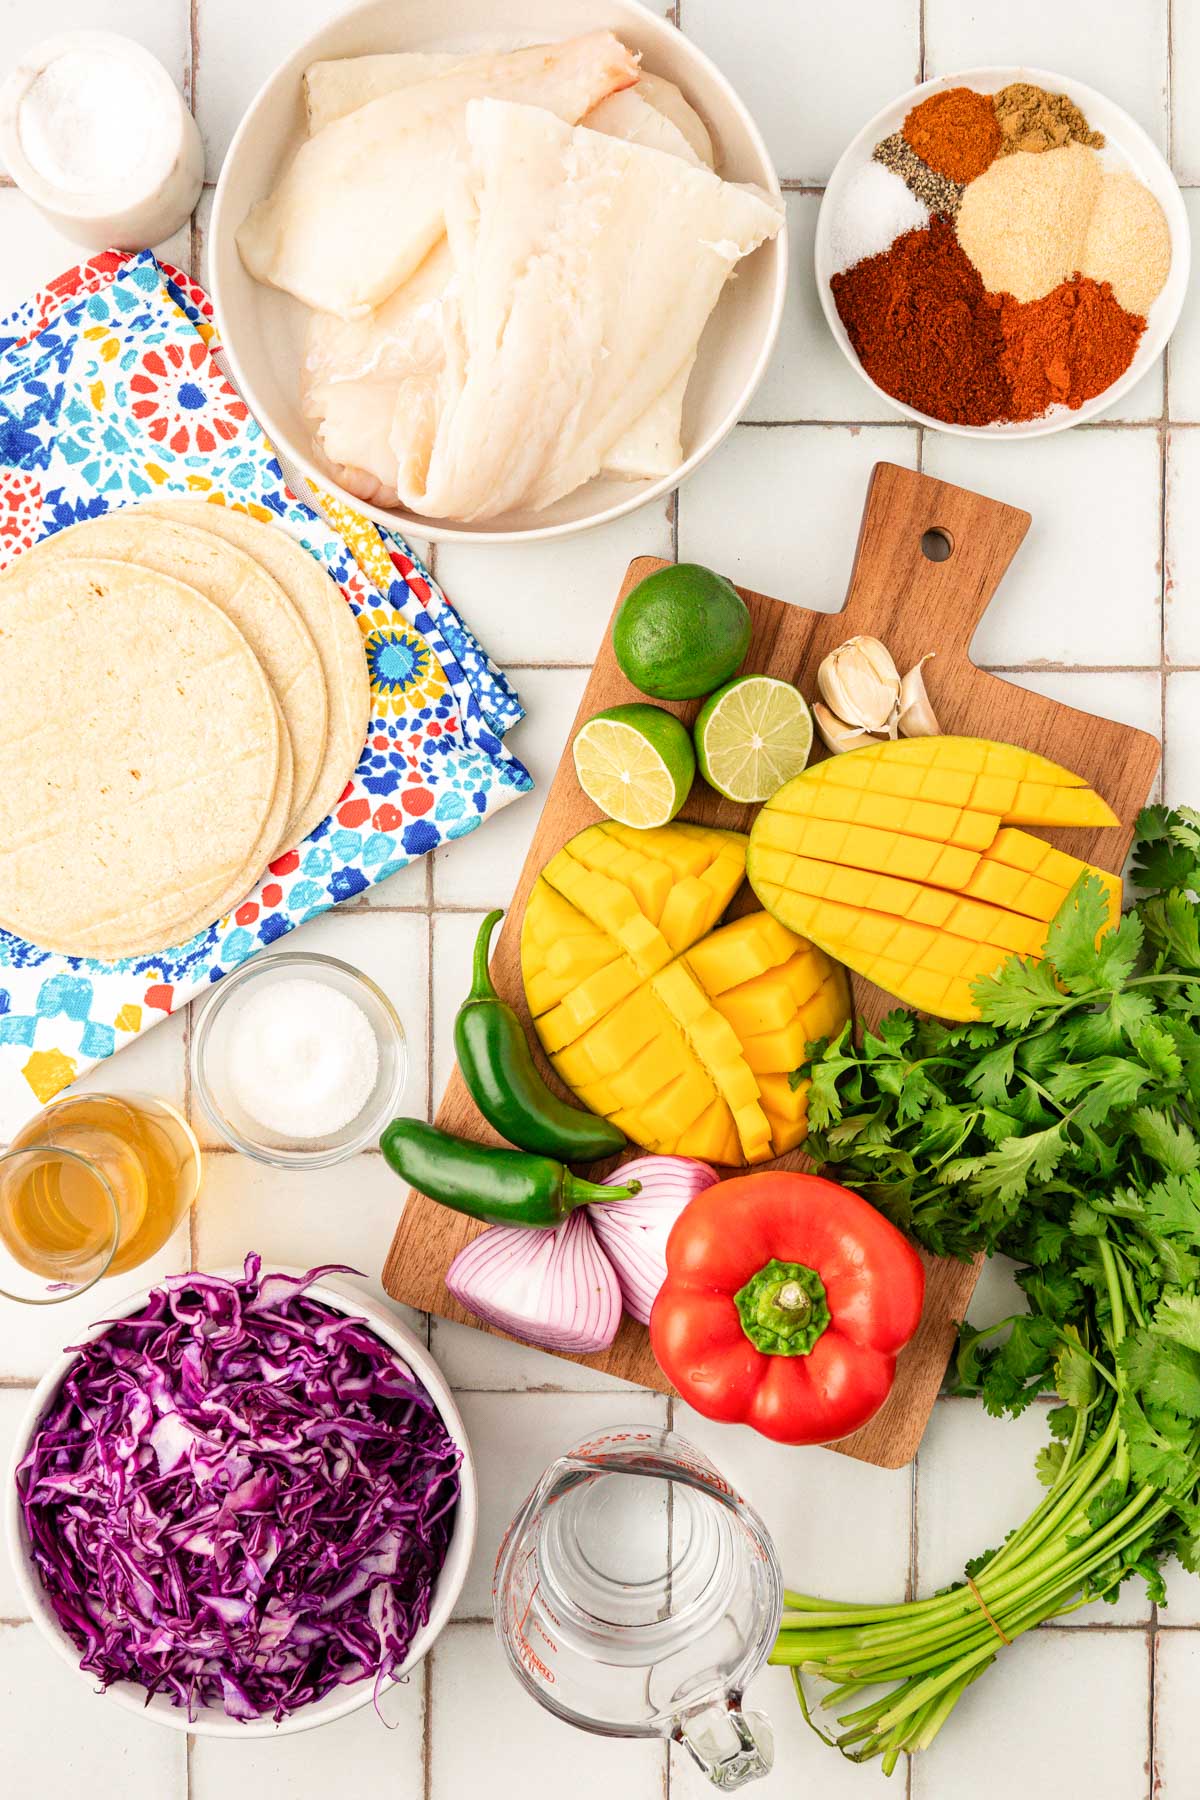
(1101, 608)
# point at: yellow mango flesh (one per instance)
(678, 1033)
(904, 861)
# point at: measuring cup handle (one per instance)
(730, 1746)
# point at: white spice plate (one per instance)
(1134, 152)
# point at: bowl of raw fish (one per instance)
(340, 1295)
(265, 329)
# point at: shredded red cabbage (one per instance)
(240, 1497)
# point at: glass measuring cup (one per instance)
(636, 1594)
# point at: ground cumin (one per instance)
(1033, 119)
(1065, 348)
(956, 132)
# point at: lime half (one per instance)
(752, 736)
(636, 763)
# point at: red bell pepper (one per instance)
(786, 1302)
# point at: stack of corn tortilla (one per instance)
(186, 698)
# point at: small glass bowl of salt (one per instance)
(299, 1060)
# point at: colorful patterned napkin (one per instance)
(110, 393)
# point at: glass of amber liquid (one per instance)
(93, 1186)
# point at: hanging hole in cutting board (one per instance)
(937, 545)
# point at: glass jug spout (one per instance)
(729, 1746)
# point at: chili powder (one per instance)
(924, 328)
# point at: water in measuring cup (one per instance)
(636, 1595)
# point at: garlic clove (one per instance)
(836, 735)
(916, 716)
(860, 684)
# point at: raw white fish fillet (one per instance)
(352, 372)
(363, 202)
(586, 269)
(628, 116)
(344, 83)
(653, 445)
(350, 382)
(654, 112)
(666, 98)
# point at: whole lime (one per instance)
(681, 632)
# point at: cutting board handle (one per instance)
(909, 522)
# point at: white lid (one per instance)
(90, 124)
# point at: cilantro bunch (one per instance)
(1062, 1129)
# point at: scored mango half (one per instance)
(903, 860)
(683, 1035)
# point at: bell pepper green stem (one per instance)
(783, 1308)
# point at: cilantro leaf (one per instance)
(1074, 1372)
(1006, 1171)
(1048, 1463)
(1158, 1457)
(1017, 992)
(1173, 925)
(1167, 851)
(992, 1075)
(1074, 929)
(1169, 1141)
(1099, 1086)
(1163, 1374)
(1177, 1316)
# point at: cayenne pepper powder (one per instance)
(1066, 347)
(924, 328)
(956, 132)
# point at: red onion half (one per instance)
(553, 1288)
(634, 1232)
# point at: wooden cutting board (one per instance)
(900, 594)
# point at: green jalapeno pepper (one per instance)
(502, 1187)
(502, 1077)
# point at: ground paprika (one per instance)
(956, 132)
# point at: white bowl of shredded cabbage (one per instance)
(367, 446)
(337, 1294)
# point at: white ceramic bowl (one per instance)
(263, 329)
(212, 1721)
(1137, 154)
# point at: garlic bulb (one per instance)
(836, 735)
(860, 684)
(917, 717)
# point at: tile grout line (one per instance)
(193, 60)
(1164, 470)
(430, 1102)
(1164, 589)
(427, 1722)
(1152, 1706)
